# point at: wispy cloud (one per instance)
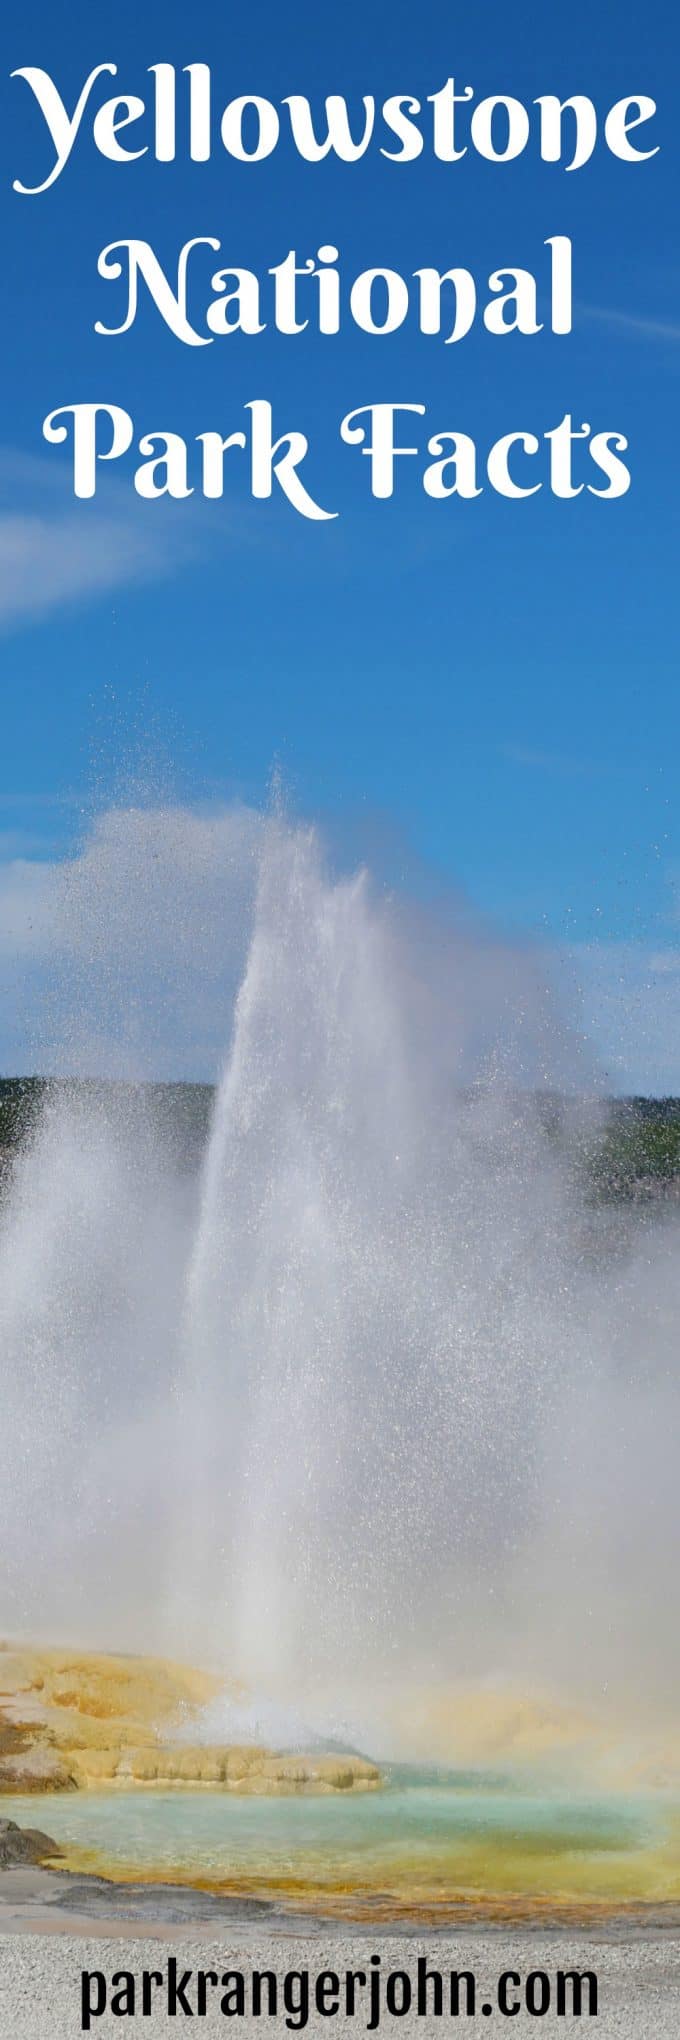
(49, 562)
(665, 963)
(21, 843)
(56, 552)
(634, 323)
(532, 759)
(17, 802)
(36, 825)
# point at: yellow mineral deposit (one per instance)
(73, 1720)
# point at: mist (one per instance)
(374, 1397)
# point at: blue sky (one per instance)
(492, 683)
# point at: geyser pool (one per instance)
(372, 1402)
(427, 1848)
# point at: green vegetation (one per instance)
(638, 1153)
(20, 1099)
(633, 1152)
(180, 1113)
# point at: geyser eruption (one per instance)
(358, 1349)
(371, 1394)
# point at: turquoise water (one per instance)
(418, 1834)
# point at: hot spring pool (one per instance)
(422, 1844)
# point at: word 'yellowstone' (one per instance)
(249, 128)
(106, 432)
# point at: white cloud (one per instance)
(665, 963)
(18, 800)
(559, 762)
(20, 843)
(634, 323)
(55, 551)
(124, 960)
(48, 562)
(28, 892)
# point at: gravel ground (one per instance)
(40, 1977)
